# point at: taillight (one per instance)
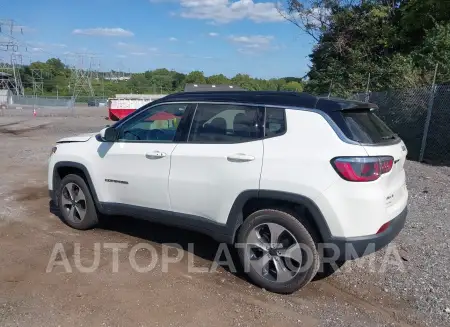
(362, 169)
(384, 227)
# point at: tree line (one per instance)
(57, 79)
(373, 44)
(361, 45)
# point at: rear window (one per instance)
(366, 127)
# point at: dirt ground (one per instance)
(29, 231)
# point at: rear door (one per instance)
(378, 140)
(222, 158)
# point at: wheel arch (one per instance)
(251, 200)
(64, 168)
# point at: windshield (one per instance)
(366, 127)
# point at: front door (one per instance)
(222, 157)
(135, 169)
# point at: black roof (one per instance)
(275, 98)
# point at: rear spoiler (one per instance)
(336, 104)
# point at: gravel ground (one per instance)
(421, 275)
(405, 285)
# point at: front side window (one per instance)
(156, 124)
(226, 123)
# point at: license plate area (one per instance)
(395, 196)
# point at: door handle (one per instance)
(155, 155)
(240, 157)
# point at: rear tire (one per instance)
(75, 203)
(277, 251)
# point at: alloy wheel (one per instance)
(274, 253)
(74, 202)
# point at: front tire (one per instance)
(76, 204)
(277, 251)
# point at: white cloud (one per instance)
(225, 11)
(138, 53)
(213, 34)
(36, 49)
(121, 56)
(46, 45)
(103, 31)
(253, 44)
(173, 39)
(58, 45)
(253, 39)
(135, 48)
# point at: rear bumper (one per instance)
(341, 248)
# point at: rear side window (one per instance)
(226, 123)
(275, 122)
(366, 127)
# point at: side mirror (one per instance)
(109, 134)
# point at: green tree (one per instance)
(138, 83)
(56, 66)
(196, 77)
(395, 43)
(57, 80)
(218, 79)
(244, 81)
(292, 86)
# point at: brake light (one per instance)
(362, 169)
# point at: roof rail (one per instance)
(211, 87)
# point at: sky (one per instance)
(213, 36)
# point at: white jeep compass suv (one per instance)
(298, 181)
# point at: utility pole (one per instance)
(367, 88)
(11, 61)
(81, 77)
(37, 76)
(330, 89)
(428, 119)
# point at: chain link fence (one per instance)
(421, 117)
(40, 101)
